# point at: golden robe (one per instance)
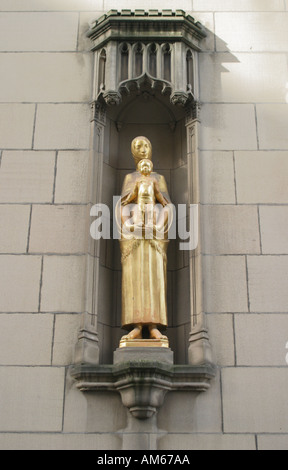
(144, 272)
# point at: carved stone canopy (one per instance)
(132, 47)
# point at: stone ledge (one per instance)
(141, 25)
(144, 14)
(143, 384)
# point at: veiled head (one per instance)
(141, 148)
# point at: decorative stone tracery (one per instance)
(159, 46)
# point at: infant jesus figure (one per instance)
(145, 194)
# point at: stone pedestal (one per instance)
(144, 354)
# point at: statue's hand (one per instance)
(127, 199)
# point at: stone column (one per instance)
(179, 79)
(87, 347)
(111, 95)
(199, 351)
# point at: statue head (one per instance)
(145, 166)
(141, 149)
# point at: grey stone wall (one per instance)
(45, 87)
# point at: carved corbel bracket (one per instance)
(143, 385)
(112, 98)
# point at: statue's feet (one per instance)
(156, 334)
(134, 334)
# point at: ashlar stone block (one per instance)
(27, 177)
(52, 5)
(220, 327)
(65, 338)
(207, 442)
(188, 412)
(33, 31)
(261, 339)
(16, 347)
(99, 412)
(16, 124)
(272, 122)
(261, 177)
(230, 229)
(268, 283)
(63, 288)
(251, 32)
(14, 228)
(217, 178)
(60, 441)
(53, 77)
(19, 292)
(225, 286)
(228, 127)
(31, 399)
(227, 77)
(235, 5)
(254, 400)
(62, 126)
(149, 5)
(274, 229)
(273, 442)
(59, 229)
(72, 180)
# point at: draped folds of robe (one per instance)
(144, 272)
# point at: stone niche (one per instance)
(145, 83)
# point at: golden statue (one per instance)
(144, 252)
